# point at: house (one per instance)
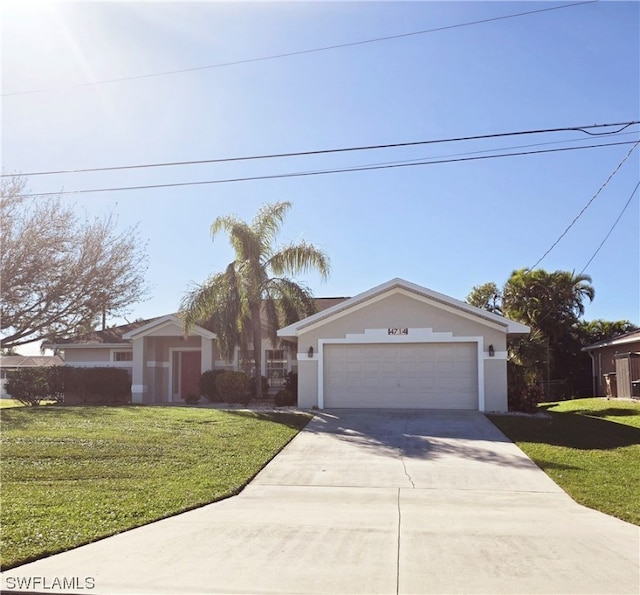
(9, 363)
(615, 365)
(397, 345)
(400, 345)
(163, 363)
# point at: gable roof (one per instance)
(510, 326)
(630, 337)
(163, 322)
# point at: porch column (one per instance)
(206, 354)
(138, 388)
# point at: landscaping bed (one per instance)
(71, 475)
(589, 447)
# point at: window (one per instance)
(276, 367)
(123, 356)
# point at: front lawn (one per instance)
(71, 475)
(589, 447)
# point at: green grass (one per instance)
(9, 403)
(71, 475)
(589, 447)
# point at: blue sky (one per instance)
(448, 226)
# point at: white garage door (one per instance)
(410, 375)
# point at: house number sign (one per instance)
(398, 331)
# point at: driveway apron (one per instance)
(370, 502)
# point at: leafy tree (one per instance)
(486, 296)
(61, 274)
(595, 331)
(258, 281)
(552, 304)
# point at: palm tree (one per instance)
(257, 282)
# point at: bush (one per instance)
(291, 384)
(191, 399)
(96, 386)
(208, 386)
(525, 398)
(252, 386)
(28, 385)
(233, 387)
(284, 398)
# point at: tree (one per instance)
(551, 303)
(257, 281)
(62, 274)
(486, 296)
(595, 331)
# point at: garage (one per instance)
(410, 375)
(402, 346)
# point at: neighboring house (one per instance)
(163, 363)
(615, 365)
(400, 345)
(397, 345)
(16, 362)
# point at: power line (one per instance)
(320, 172)
(622, 126)
(615, 171)
(295, 53)
(612, 228)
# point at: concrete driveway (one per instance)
(371, 502)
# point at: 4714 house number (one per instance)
(398, 331)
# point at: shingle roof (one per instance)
(629, 337)
(30, 361)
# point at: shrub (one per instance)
(252, 386)
(28, 385)
(208, 386)
(97, 386)
(233, 387)
(284, 398)
(291, 384)
(191, 399)
(525, 398)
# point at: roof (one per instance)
(30, 361)
(122, 335)
(110, 336)
(510, 326)
(630, 337)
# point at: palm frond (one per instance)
(268, 221)
(302, 257)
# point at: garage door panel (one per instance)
(430, 375)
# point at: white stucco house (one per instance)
(397, 345)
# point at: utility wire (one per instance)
(612, 228)
(622, 126)
(319, 172)
(615, 171)
(295, 53)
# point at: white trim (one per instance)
(99, 364)
(138, 388)
(414, 335)
(172, 350)
(164, 322)
(152, 364)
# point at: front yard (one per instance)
(589, 447)
(71, 475)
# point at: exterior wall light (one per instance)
(310, 352)
(492, 351)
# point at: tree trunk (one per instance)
(256, 325)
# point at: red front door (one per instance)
(189, 373)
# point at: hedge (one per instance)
(95, 386)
